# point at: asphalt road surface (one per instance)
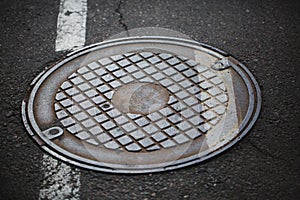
(264, 35)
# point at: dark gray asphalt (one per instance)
(264, 35)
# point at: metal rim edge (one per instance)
(85, 50)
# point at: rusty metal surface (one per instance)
(144, 104)
(140, 98)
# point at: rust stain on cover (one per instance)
(140, 98)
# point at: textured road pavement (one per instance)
(264, 35)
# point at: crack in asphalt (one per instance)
(266, 153)
(121, 18)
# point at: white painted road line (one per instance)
(230, 118)
(71, 24)
(62, 181)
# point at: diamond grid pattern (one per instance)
(197, 102)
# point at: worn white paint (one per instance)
(230, 119)
(71, 24)
(61, 181)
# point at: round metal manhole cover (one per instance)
(141, 104)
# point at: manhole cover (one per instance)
(141, 104)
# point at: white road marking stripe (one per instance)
(61, 180)
(71, 24)
(230, 119)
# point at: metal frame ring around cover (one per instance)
(244, 127)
